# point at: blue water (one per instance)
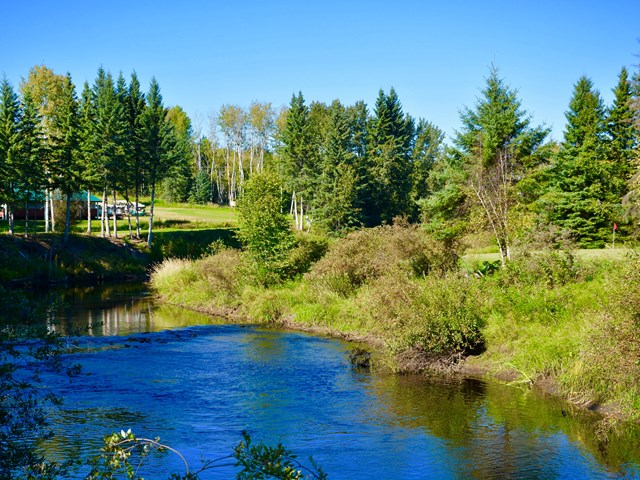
(199, 386)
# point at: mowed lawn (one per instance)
(618, 253)
(196, 214)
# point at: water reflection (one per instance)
(114, 310)
(150, 369)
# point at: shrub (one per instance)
(368, 254)
(609, 367)
(264, 229)
(551, 268)
(435, 318)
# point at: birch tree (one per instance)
(232, 121)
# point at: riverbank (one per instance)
(46, 260)
(550, 319)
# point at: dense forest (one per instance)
(339, 166)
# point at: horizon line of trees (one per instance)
(340, 167)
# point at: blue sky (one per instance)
(436, 54)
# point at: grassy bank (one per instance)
(561, 319)
(43, 258)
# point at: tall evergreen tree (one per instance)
(108, 132)
(90, 174)
(31, 152)
(583, 198)
(135, 108)
(10, 113)
(335, 201)
(622, 133)
(159, 145)
(295, 150)
(65, 147)
(179, 179)
(427, 148)
(389, 182)
(497, 146)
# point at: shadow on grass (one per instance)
(191, 243)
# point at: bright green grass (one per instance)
(197, 214)
(584, 254)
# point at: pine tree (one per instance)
(428, 147)
(295, 154)
(159, 145)
(389, 182)
(337, 186)
(497, 147)
(108, 134)
(582, 198)
(10, 113)
(135, 108)
(90, 175)
(32, 149)
(179, 179)
(65, 147)
(622, 133)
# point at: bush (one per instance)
(308, 250)
(436, 318)
(264, 229)
(609, 367)
(551, 268)
(368, 254)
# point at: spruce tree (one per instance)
(108, 133)
(159, 145)
(427, 148)
(89, 168)
(10, 113)
(389, 182)
(497, 147)
(582, 199)
(622, 133)
(295, 153)
(32, 149)
(65, 147)
(335, 203)
(135, 108)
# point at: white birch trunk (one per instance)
(88, 212)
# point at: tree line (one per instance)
(113, 139)
(340, 167)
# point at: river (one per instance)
(198, 382)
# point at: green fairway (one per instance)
(584, 254)
(197, 214)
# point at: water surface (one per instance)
(198, 383)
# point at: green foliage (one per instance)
(583, 198)
(498, 148)
(308, 250)
(124, 454)
(609, 366)
(264, 229)
(368, 254)
(549, 267)
(263, 462)
(336, 197)
(201, 191)
(426, 322)
(388, 182)
(213, 283)
(26, 351)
